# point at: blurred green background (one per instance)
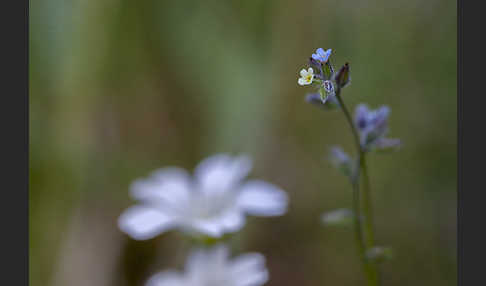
(119, 88)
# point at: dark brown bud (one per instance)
(342, 77)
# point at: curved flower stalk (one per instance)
(213, 203)
(369, 128)
(214, 267)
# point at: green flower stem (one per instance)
(349, 119)
(363, 243)
(372, 272)
(367, 204)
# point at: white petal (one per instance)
(169, 185)
(141, 222)
(201, 259)
(302, 81)
(207, 227)
(303, 73)
(233, 220)
(229, 221)
(218, 255)
(166, 278)
(263, 199)
(220, 173)
(195, 262)
(249, 270)
(255, 278)
(310, 71)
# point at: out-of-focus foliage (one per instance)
(119, 88)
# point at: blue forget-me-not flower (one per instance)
(322, 55)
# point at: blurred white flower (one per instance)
(215, 202)
(214, 268)
(306, 76)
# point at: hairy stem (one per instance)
(364, 244)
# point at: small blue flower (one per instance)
(372, 127)
(321, 55)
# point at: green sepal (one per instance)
(328, 70)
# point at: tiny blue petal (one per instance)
(328, 53)
(322, 55)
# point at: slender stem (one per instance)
(368, 211)
(369, 267)
(367, 204)
(357, 219)
(349, 119)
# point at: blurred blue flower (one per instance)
(214, 267)
(342, 161)
(372, 127)
(322, 55)
(215, 202)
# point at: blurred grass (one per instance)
(120, 88)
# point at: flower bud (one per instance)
(342, 76)
(327, 90)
